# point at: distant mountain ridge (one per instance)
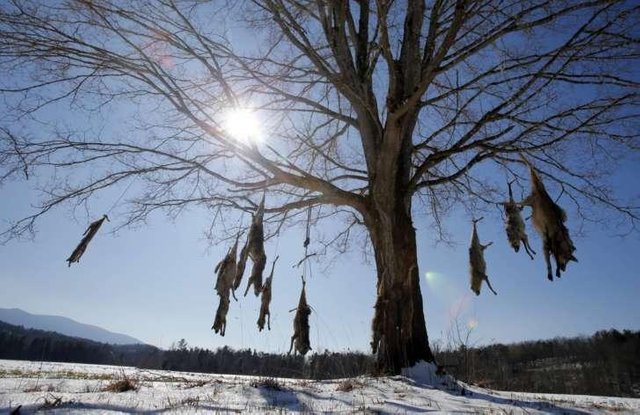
(64, 326)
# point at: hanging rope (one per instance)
(300, 338)
(307, 238)
(126, 189)
(305, 244)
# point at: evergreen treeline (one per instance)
(327, 365)
(606, 363)
(38, 345)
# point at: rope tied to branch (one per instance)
(300, 338)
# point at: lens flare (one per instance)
(430, 276)
(472, 323)
(459, 307)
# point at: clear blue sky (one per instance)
(156, 283)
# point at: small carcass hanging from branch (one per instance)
(88, 236)
(254, 249)
(226, 272)
(220, 322)
(548, 219)
(242, 263)
(265, 298)
(477, 265)
(300, 338)
(514, 225)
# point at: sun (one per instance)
(243, 125)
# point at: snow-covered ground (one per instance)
(70, 388)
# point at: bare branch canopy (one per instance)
(366, 106)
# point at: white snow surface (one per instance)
(63, 388)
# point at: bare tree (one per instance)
(371, 105)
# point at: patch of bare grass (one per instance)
(40, 388)
(61, 374)
(615, 407)
(124, 384)
(267, 383)
(52, 401)
(194, 384)
(348, 385)
(191, 402)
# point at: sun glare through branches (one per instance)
(243, 125)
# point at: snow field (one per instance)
(62, 388)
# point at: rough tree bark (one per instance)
(399, 329)
(399, 335)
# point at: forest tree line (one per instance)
(37, 345)
(603, 364)
(606, 363)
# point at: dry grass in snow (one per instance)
(58, 388)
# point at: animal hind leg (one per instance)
(547, 259)
(295, 336)
(527, 247)
(486, 279)
(259, 262)
(559, 266)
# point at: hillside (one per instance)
(17, 342)
(63, 325)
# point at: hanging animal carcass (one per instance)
(514, 225)
(265, 298)
(300, 336)
(548, 219)
(220, 322)
(477, 265)
(88, 236)
(241, 265)
(254, 249)
(226, 272)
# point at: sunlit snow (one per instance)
(70, 388)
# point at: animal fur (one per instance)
(548, 219)
(255, 251)
(300, 336)
(266, 301)
(220, 322)
(514, 225)
(88, 236)
(241, 265)
(477, 265)
(226, 270)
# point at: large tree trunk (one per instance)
(399, 330)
